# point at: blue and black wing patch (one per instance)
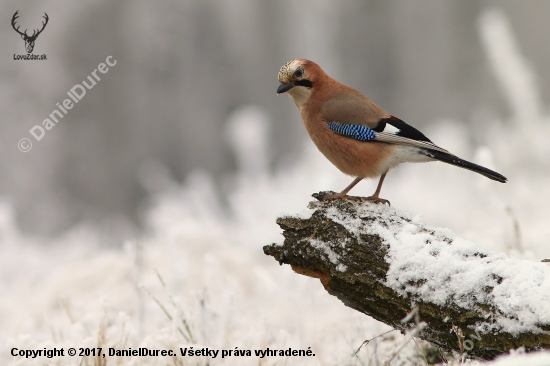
(395, 126)
(391, 126)
(358, 132)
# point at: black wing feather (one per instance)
(405, 130)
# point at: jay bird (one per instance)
(354, 133)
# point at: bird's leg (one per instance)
(344, 193)
(348, 188)
(375, 197)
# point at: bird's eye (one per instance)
(298, 73)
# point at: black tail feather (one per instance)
(454, 160)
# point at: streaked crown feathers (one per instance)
(286, 73)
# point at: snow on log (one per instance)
(385, 263)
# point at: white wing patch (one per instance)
(391, 129)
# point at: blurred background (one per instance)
(183, 67)
(163, 183)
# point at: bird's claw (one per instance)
(331, 195)
(377, 200)
(326, 195)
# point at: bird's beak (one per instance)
(284, 88)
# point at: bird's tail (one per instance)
(454, 160)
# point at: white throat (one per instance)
(300, 95)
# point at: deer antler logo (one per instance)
(29, 40)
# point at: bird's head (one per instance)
(299, 78)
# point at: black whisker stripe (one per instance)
(303, 82)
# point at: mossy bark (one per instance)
(362, 285)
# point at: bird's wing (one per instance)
(351, 107)
(390, 130)
(352, 114)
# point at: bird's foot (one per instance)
(377, 199)
(330, 195)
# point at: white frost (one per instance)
(325, 248)
(437, 266)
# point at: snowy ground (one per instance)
(201, 262)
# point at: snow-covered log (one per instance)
(385, 263)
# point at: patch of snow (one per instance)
(520, 358)
(325, 248)
(341, 267)
(436, 265)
